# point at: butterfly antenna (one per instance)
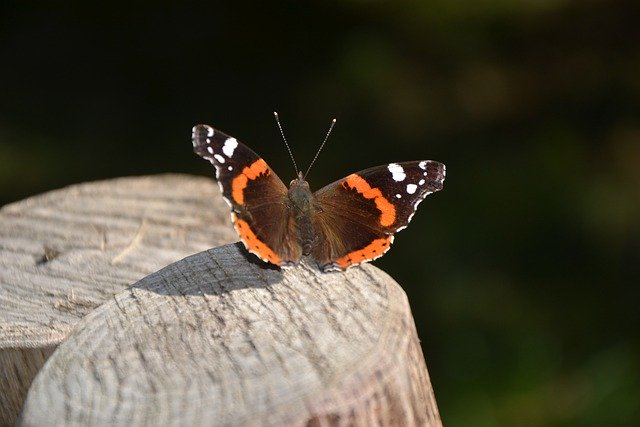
(333, 122)
(275, 114)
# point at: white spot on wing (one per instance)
(423, 164)
(219, 158)
(209, 131)
(421, 182)
(210, 150)
(411, 188)
(397, 173)
(230, 168)
(398, 196)
(229, 147)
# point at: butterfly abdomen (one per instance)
(303, 209)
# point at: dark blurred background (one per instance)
(523, 273)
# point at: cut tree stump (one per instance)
(65, 252)
(220, 338)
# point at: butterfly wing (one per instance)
(255, 193)
(358, 215)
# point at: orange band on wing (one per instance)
(240, 182)
(369, 252)
(387, 210)
(254, 244)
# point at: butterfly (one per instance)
(348, 222)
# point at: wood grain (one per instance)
(220, 339)
(66, 252)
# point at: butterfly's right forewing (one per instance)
(359, 215)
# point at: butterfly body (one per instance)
(303, 208)
(350, 221)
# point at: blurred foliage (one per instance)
(523, 273)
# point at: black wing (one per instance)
(358, 215)
(255, 193)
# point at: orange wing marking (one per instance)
(369, 252)
(387, 210)
(249, 173)
(253, 244)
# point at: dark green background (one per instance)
(523, 273)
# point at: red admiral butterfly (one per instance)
(350, 221)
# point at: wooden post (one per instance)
(218, 338)
(66, 252)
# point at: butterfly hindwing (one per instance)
(255, 193)
(358, 215)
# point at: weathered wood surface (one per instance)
(219, 339)
(65, 252)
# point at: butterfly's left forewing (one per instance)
(254, 192)
(358, 215)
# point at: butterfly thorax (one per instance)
(303, 208)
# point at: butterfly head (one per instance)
(299, 180)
